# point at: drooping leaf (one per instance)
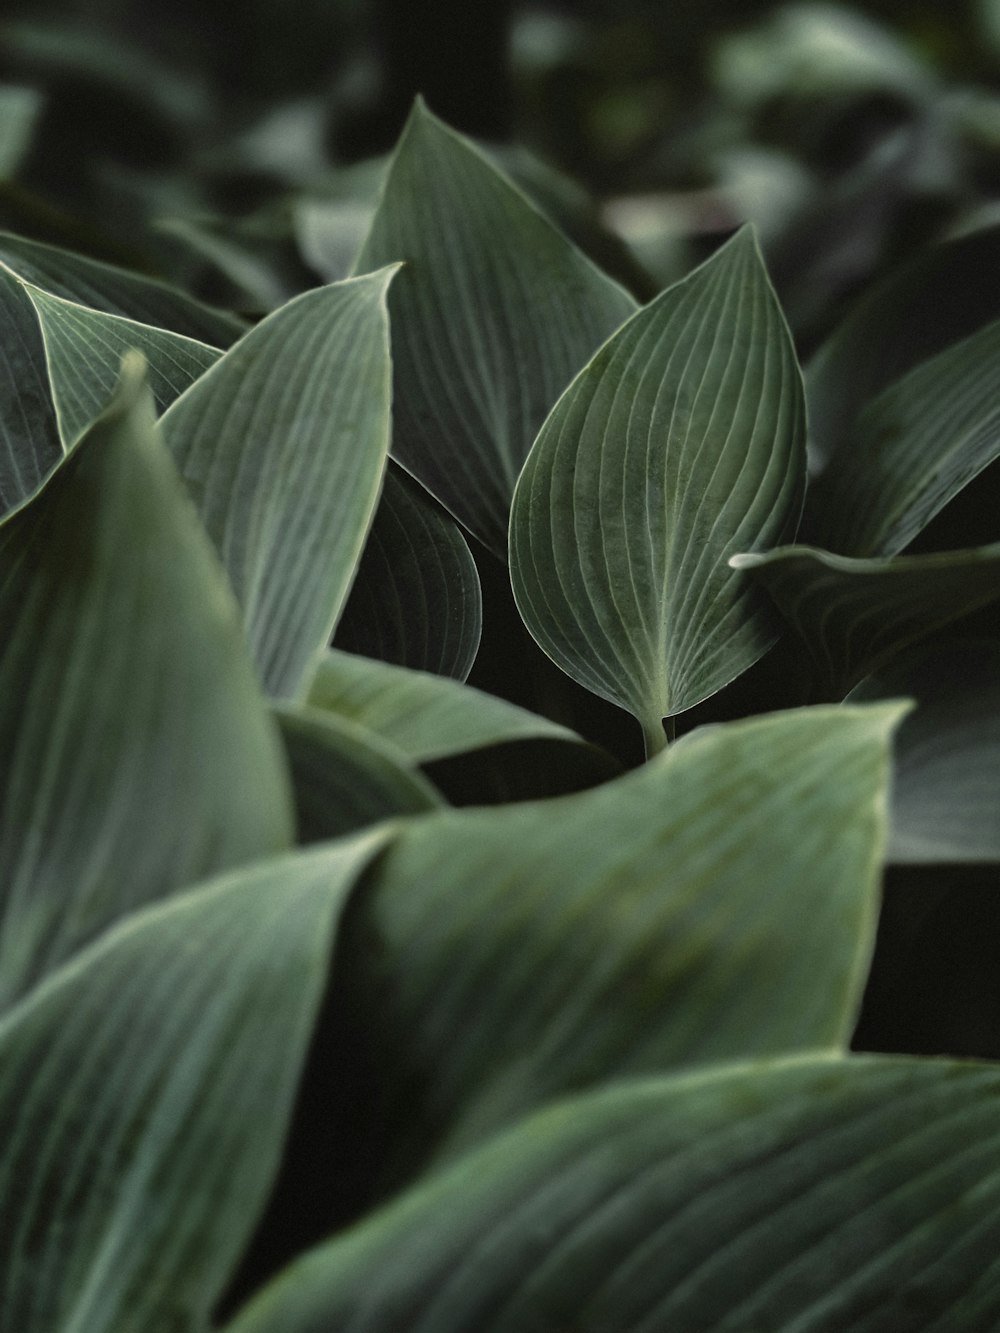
(855, 614)
(145, 1090)
(945, 797)
(416, 600)
(718, 902)
(492, 315)
(345, 777)
(813, 1194)
(915, 446)
(117, 291)
(283, 444)
(680, 443)
(136, 754)
(84, 350)
(29, 434)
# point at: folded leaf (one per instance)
(492, 315)
(283, 444)
(145, 1091)
(136, 754)
(681, 442)
(29, 434)
(856, 1194)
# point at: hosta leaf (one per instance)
(29, 434)
(416, 600)
(945, 800)
(84, 350)
(425, 716)
(858, 1194)
(680, 443)
(916, 445)
(493, 314)
(116, 291)
(345, 777)
(717, 902)
(856, 614)
(283, 444)
(135, 752)
(145, 1090)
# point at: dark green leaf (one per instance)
(29, 434)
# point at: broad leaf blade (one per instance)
(945, 801)
(29, 434)
(854, 614)
(144, 1094)
(691, 911)
(416, 600)
(84, 350)
(283, 444)
(493, 314)
(135, 752)
(858, 1194)
(681, 442)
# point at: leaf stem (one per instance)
(655, 736)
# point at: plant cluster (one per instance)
(454, 734)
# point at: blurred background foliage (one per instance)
(238, 151)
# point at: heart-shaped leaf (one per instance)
(136, 754)
(681, 442)
(283, 444)
(29, 434)
(493, 314)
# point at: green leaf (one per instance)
(84, 350)
(854, 615)
(416, 600)
(345, 777)
(425, 716)
(718, 902)
(29, 435)
(811, 1194)
(493, 314)
(916, 446)
(136, 754)
(145, 1090)
(117, 291)
(945, 803)
(283, 444)
(680, 443)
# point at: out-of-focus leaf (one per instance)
(136, 754)
(493, 314)
(814, 1194)
(718, 902)
(416, 599)
(145, 1092)
(681, 442)
(20, 108)
(283, 445)
(116, 291)
(855, 614)
(29, 433)
(345, 777)
(945, 793)
(84, 350)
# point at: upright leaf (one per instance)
(29, 434)
(135, 751)
(145, 1091)
(493, 314)
(283, 444)
(681, 442)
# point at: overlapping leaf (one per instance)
(858, 1194)
(680, 443)
(493, 314)
(145, 1090)
(718, 902)
(29, 433)
(416, 600)
(135, 752)
(283, 444)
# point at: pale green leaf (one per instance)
(492, 315)
(682, 442)
(283, 445)
(136, 754)
(29, 434)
